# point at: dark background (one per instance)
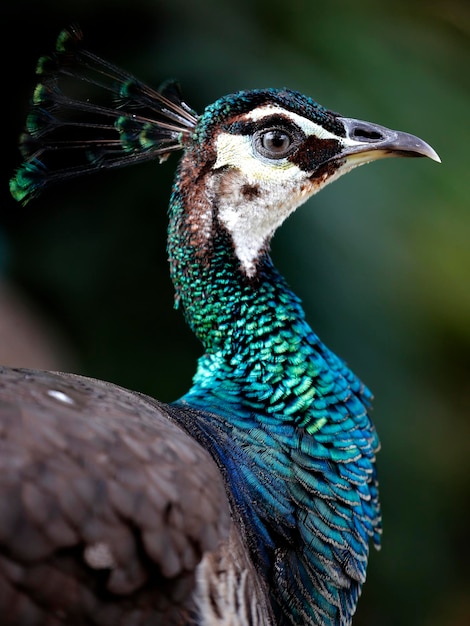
(381, 258)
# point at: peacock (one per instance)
(253, 498)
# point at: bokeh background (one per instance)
(381, 258)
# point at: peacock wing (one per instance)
(106, 505)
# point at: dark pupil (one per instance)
(275, 141)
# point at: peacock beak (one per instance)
(366, 141)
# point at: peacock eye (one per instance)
(274, 143)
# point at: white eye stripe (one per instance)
(308, 127)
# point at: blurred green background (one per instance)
(381, 258)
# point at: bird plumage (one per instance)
(285, 421)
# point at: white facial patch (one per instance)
(237, 151)
(257, 194)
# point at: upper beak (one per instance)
(371, 141)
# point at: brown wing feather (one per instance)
(106, 505)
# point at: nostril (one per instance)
(366, 134)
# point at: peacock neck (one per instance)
(253, 329)
(227, 311)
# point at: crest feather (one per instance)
(87, 114)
